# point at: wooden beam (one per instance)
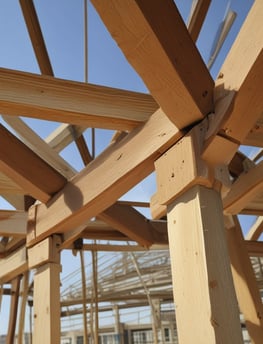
(132, 224)
(254, 248)
(36, 36)
(63, 136)
(15, 287)
(248, 295)
(28, 170)
(39, 146)
(44, 97)
(245, 77)
(197, 18)
(13, 223)
(256, 229)
(121, 166)
(156, 42)
(244, 190)
(13, 265)
(9, 186)
(207, 313)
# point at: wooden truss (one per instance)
(188, 130)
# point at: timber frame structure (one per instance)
(188, 129)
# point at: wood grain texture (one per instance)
(13, 223)
(244, 190)
(104, 180)
(246, 287)
(45, 97)
(27, 170)
(202, 281)
(156, 42)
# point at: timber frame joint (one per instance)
(183, 166)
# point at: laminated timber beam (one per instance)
(53, 99)
(121, 166)
(27, 169)
(156, 42)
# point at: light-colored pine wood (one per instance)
(153, 39)
(47, 304)
(118, 168)
(256, 229)
(39, 146)
(35, 176)
(197, 18)
(9, 186)
(36, 36)
(131, 223)
(22, 314)
(247, 187)
(248, 295)
(157, 210)
(44, 97)
(13, 223)
(13, 265)
(16, 200)
(180, 168)
(245, 77)
(47, 299)
(44, 252)
(63, 136)
(15, 287)
(206, 306)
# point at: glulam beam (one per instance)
(156, 42)
(45, 97)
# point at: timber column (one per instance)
(205, 300)
(45, 258)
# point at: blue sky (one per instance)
(62, 25)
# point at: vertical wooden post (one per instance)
(45, 257)
(15, 287)
(205, 300)
(248, 295)
(206, 307)
(21, 328)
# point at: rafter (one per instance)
(104, 180)
(13, 223)
(157, 44)
(197, 18)
(36, 36)
(44, 97)
(131, 223)
(27, 170)
(245, 77)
